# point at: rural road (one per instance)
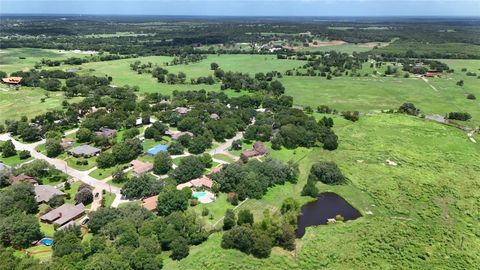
(63, 166)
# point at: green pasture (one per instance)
(15, 103)
(123, 75)
(374, 93)
(422, 210)
(16, 59)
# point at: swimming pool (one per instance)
(159, 148)
(46, 241)
(199, 194)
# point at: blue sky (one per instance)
(247, 7)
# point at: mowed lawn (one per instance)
(421, 209)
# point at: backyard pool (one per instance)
(199, 194)
(46, 241)
(159, 148)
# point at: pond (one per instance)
(327, 205)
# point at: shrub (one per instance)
(180, 248)
(408, 108)
(8, 149)
(461, 116)
(471, 97)
(24, 154)
(352, 116)
(327, 173)
(205, 212)
(245, 217)
(310, 189)
(229, 220)
(232, 197)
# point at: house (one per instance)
(184, 185)
(177, 135)
(140, 167)
(43, 193)
(429, 75)
(150, 203)
(64, 214)
(107, 132)
(22, 178)
(4, 168)
(216, 169)
(200, 182)
(67, 226)
(84, 151)
(159, 148)
(66, 143)
(12, 80)
(258, 150)
(181, 110)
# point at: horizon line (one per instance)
(245, 16)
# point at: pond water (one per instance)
(327, 205)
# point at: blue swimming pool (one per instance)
(159, 148)
(46, 241)
(199, 194)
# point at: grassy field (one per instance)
(16, 59)
(380, 93)
(422, 208)
(123, 75)
(11, 108)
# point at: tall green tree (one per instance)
(171, 200)
(162, 163)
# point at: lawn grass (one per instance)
(44, 253)
(101, 174)
(120, 185)
(224, 158)
(72, 191)
(14, 160)
(109, 198)
(422, 208)
(72, 162)
(216, 210)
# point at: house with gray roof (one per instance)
(107, 132)
(64, 214)
(4, 168)
(43, 193)
(84, 151)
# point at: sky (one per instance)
(246, 7)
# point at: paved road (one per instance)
(223, 147)
(62, 166)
